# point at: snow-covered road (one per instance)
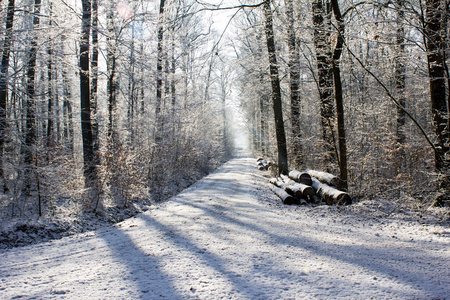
(226, 237)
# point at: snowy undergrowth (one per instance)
(15, 232)
(71, 218)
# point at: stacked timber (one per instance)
(331, 195)
(300, 193)
(324, 177)
(306, 187)
(301, 190)
(302, 177)
(283, 195)
(263, 164)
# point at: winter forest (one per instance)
(110, 105)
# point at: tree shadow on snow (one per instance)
(393, 262)
(143, 269)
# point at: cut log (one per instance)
(279, 182)
(283, 195)
(301, 177)
(301, 190)
(264, 164)
(331, 195)
(286, 179)
(276, 182)
(324, 177)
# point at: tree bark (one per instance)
(4, 84)
(342, 142)
(111, 72)
(294, 84)
(322, 28)
(94, 79)
(30, 119)
(400, 71)
(90, 172)
(276, 91)
(434, 31)
(50, 116)
(67, 106)
(159, 74)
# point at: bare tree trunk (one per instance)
(50, 116)
(30, 119)
(294, 83)
(90, 171)
(159, 74)
(4, 85)
(276, 91)
(67, 109)
(131, 89)
(111, 71)
(400, 82)
(434, 30)
(263, 100)
(94, 79)
(322, 32)
(342, 142)
(142, 87)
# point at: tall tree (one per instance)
(400, 80)
(159, 73)
(321, 10)
(50, 79)
(94, 78)
(342, 141)
(111, 70)
(30, 106)
(89, 168)
(4, 83)
(294, 84)
(435, 29)
(276, 90)
(67, 115)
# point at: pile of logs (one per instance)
(309, 187)
(263, 164)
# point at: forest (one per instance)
(113, 105)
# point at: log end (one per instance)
(305, 178)
(344, 199)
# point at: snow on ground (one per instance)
(227, 237)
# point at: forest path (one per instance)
(226, 237)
